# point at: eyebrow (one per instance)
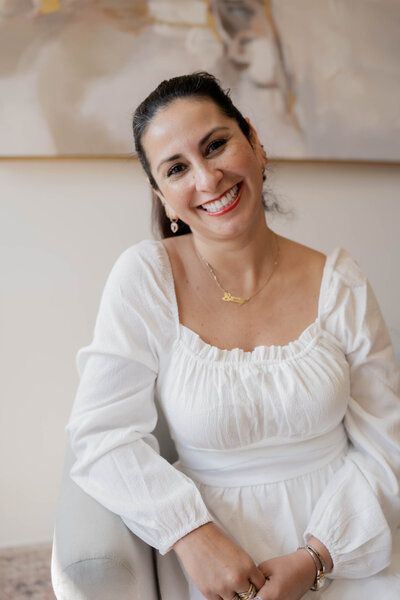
(202, 141)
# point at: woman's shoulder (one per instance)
(142, 271)
(300, 257)
(139, 259)
(345, 291)
(338, 265)
(141, 250)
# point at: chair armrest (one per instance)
(94, 555)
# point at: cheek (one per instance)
(241, 159)
(173, 188)
(177, 194)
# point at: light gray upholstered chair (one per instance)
(96, 557)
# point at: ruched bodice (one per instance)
(227, 399)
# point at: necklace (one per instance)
(228, 297)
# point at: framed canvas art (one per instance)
(320, 80)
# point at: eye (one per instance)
(174, 170)
(212, 147)
(215, 144)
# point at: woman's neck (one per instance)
(243, 263)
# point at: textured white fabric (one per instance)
(274, 445)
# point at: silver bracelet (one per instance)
(319, 580)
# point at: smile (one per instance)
(225, 203)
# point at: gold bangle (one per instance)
(319, 580)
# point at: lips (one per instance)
(224, 203)
(221, 196)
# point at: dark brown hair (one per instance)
(201, 85)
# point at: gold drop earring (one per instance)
(174, 225)
(173, 221)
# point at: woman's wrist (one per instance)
(184, 540)
(323, 551)
(308, 567)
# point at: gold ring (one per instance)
(251, 593)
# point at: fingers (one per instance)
(255, 582)
(257, 577)
(246, 591)
(263, 593)
(262, 585)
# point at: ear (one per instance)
(167, 209)
(157, 195)
(160, 198)
(253, 133)
(257, 145)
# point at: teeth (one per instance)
(222, 202)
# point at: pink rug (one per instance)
(25, 573)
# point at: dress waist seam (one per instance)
(265, 468)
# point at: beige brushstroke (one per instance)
(285, 81)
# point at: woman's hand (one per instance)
(216, 564)
(289, 576)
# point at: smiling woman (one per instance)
(272, 365)
(204, 88)
(202, 171)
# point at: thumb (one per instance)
(258, 577)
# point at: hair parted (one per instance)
(199, 84)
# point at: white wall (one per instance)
(62, 225)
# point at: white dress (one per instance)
(274, 445)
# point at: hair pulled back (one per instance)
(199, 84)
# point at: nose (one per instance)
(207, 177)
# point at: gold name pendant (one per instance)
(229, 298)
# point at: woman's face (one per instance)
(207, 172)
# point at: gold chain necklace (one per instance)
(228, 297)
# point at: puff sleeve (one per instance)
(113, 415)
(359, 511)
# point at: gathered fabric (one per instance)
(259, 464)
(275, 445)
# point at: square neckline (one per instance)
(198, 344)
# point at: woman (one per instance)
(273, 367)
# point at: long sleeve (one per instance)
(117, 457)
(359, 510)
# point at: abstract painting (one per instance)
(320, 80)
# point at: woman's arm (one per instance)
(323, 551)
(360, 508)
(352, 522)
(113, 416)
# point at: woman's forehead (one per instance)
(185, 120)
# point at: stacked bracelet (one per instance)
(319, 580)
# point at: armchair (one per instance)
(96, 557)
